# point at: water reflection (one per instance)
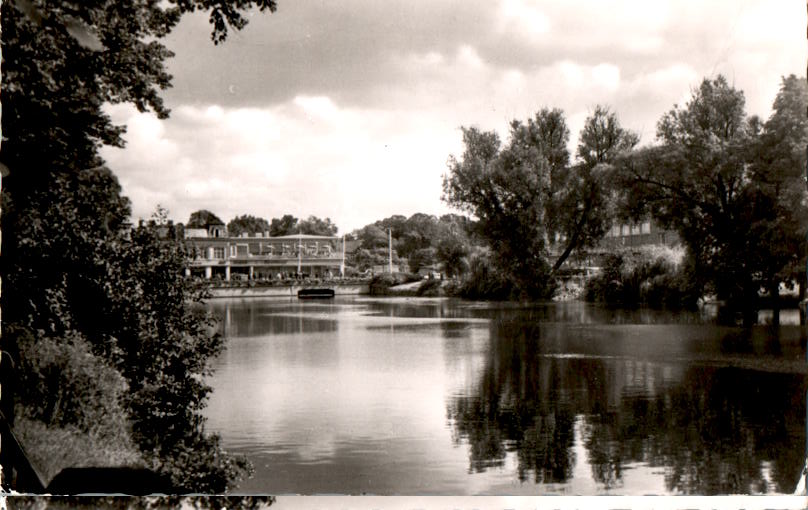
(242, 318)
(434, 396)
(714, 429)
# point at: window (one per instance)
(646, 227)
(218, 252)
(624, 230)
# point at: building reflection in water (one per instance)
(237, 320)
(711, 426)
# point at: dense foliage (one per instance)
(528, 200)
(417, 239)
(73, 279)
(732, 187)
(248, 224)
(202, 218)
(289, 225)
(650, 277)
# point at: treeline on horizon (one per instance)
(424, 240)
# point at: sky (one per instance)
(349, 110)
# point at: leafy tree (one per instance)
(511, 190)
(421, 258)
(452, 253)
(777, 178)
(148, 326)
(202, 218)
(68, 271)
(372, 236)
(583, 203)
(528, 199)
(316, 226)
(733, 192)
(283, 226)
(457, 225)
(397, 223)
(503, 189)
(364, 259)
(418, 232)
(247, 223)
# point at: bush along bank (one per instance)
(387, 285)
(656, 277)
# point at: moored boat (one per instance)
(315, 293)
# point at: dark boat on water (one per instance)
(315, 293)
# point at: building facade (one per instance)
(216, 255)
(635, 235)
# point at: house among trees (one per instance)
(635, 235)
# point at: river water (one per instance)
(434, 396)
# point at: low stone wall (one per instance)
(286, 290)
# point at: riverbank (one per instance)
(341, 289)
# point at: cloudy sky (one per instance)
(350, 109)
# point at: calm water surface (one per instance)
(431, 396)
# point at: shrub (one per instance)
(70, 411)
(429, 288)
(381, 283)
(656, 277)
(63, 383)
(485, 282)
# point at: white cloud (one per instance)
(358, 124)
(524, 17)
(606, 76)
(268, 162)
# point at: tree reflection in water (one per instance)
(712, 429)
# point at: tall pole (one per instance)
(299, 253)
(342, 266)
(390, 249)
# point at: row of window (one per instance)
(242, 250)
(629, 230)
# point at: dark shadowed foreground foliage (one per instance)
(99, 319)
(141, 503)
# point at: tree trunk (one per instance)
(749, 303)
(774, 296)
(566, 253)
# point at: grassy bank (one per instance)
(52, 448)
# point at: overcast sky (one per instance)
(350, 109)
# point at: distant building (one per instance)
(218, 255)
(635, 235)
(619, 237)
